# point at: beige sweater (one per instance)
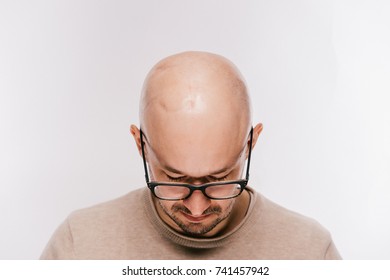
(130, 228)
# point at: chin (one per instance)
(199, 229)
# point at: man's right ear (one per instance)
(137, 137)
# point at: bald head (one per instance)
(194, 100)
(195, 117)
(195, 84)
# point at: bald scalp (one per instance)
(194, 85)
(195, 109)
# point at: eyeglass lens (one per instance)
(181, 192)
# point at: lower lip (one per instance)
(195, 219)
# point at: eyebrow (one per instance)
(218, 172)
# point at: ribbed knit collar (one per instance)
(183, 240)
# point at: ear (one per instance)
(137, 137)
(256, 133)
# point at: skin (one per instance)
(195, 114)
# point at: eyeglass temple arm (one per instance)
(143, 157)
(249, 155)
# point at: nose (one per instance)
(197, 203)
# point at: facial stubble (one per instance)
(197, 229)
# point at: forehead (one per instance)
(195, 151)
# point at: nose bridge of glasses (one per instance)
(202, 189)
(197, 202)
(197, 182)
(198, 190)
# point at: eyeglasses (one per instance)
(214, 190)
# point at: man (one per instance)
(195, 137)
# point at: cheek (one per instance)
(167, 205)
(223, 205)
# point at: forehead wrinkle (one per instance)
(209, 174)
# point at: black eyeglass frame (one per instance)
(153, 184)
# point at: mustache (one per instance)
(211, 210)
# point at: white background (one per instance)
(319, 76)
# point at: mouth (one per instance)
(195, 219)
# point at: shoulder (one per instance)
(275, 215)
(99, 231)
(110, 208)
(108, 214)
(289, 233)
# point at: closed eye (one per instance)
(175, 179)
(220, 179)
(182, 178)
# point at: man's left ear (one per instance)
(256, 133)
